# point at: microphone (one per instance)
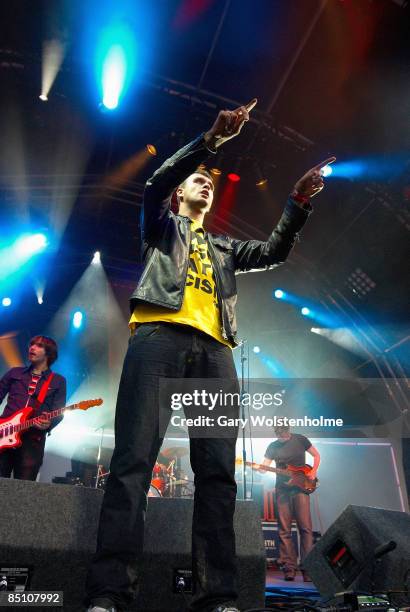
(243, 356)
(383, 549)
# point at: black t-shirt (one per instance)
(288, 452)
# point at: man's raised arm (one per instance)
(261, 255)
(160, 187)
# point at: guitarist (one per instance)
(290, 449)
(23, 386)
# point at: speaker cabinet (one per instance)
(51, 530)
(344, 558)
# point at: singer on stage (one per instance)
(184, 326)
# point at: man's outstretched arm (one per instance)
(261, 255)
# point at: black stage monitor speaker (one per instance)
(365, 549)
(48, 532)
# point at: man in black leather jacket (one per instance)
(184, 326)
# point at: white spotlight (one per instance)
(53, 55)
(96, 258)
(39, 289)
(256, 349)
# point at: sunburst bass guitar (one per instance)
(296, 473)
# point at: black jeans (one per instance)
(24, 461)
(293, 505)
(166, 351)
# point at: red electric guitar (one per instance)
(297, 475)
(12, 427)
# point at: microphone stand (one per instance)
(378, 553)
(243, 360)
(98, 476)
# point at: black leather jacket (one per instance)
(166, 241)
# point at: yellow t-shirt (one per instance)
(200, 308)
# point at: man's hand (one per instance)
(42, 422)
(312, 474)
(228, 124)
(312, 182)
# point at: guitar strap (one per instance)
(44, 389)
(43, 392)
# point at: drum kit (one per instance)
(168, 479)
(90, 468)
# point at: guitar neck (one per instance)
(9, 428)
(256, 466)
(52, 415)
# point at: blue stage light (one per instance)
(373, 168)
(327, 170)
(31, 244)
(115, 59)
(6, 302)
(305, 311)
(279, 294)
(16, 254)
(77, 319)
(275, 367)
(114, 71)
(256, 349)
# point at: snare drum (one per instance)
(159, 480)
(159, 484)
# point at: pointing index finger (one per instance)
(324, 163)
(251, 104)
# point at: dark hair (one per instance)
(282, 427)
(50, 347)
(202, 171)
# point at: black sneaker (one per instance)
(102, 605)
(289, 574)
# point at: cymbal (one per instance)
(174, 452)
(179, 483)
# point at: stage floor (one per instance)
(278, 588)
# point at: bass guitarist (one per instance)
(290, 449)
(37, 387)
